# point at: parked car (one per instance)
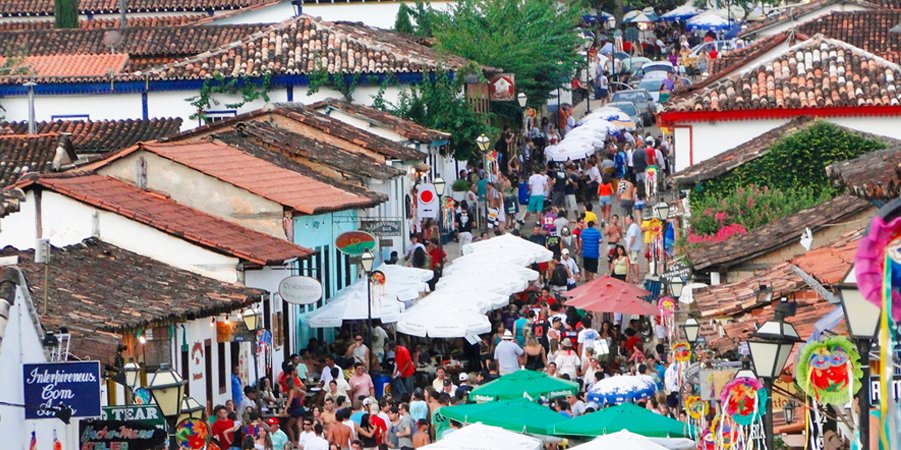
(642, 100)
(634, 63)
(630, 109)
(705, 47)
(656, 66)
(654, 86)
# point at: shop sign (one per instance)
(138, 414)
(300, 290)
(894, 389)
(51, 386)
(381, 227)
(119, 435)
(502, 88)
(354, 243)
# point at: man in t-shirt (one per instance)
(539, 329)
(633, 246)
(360, 383)
(640, 164)
(507, 354)
(223, 428)
(570, 187)
(591, 250)
(403, 370)
(538, 187)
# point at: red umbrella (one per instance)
(605, 285)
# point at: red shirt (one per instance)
(380, 424)
(219, 427)
(631, 341)
(403, 361)
(437, 255)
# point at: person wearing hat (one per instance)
(276, 435)
(567, 360)
(464, 387)
(572, 269)
(507, 354)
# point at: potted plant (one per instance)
(459, 188)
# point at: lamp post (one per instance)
(788, 411)
(587, 45)
(690, 329)
(676, 285)
(167, 388)
(252, 321)
(132, 374)
(770, 346)
(862, 318)
(366, 260)
(190, 409)
(523, 99)
(440, 186)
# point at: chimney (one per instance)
(123, 8)
(31, 124)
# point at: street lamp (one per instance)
(167, 388)
(587, 45)
(788, 411)
(440, 185)
(521, 98)
(483, 142)
(252, 321)
(132, 373)
(661, 211)
(190, 409)
(745, 371)
(366, 260)
(862, 318)
(690, 329)
(676, 285)
(770, 346)
(764, 294)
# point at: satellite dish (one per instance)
(112, 38)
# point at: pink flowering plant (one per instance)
(747, 208)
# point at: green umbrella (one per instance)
(520, 415)
(524, 383)
(626, 416)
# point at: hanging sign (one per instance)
(355, 243)
(427, 201)
(300, 290)
(502, 88)
(136, 414)
(381, 227)
(119, 434)
(50, 386)
(678, 270)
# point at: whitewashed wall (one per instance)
(97, 107)
(380, 14)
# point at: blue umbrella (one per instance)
(623, 388)
(681, 13)
(708, 21)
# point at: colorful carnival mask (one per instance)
(828, 370)
(744, 400)
(682, 352)
(695, 407)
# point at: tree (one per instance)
(65, 13)
(537, 40)
(402, 23)
(436, 103)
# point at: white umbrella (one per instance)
(675, 443)
(470, 297)
(622, 388)
(635, 16)
(484, 437)
(510, 248)
(442, 320)
(681, 13)
(708, 20)
(621, 440)
(401, 284)
(614, 116)
(571, 151)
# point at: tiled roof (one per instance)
(74, 68)
(98, 23)
(21, 154)
(778, 234)
(166, 215)
(739, 155)
(98, 290)
(753, 149)
(262, 177)
(299, 147)
(303, 45)
(101, 136)
(868, 30)
(800, 9)
(873, 176)
(15, 8)
(816, 73)
(9, 201)
(736, 57)
(406, 128)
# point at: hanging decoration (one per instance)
(192, 434)
(877, 268)
(696, 408)
(667, 307)
(724, 434)
(379, 291)
(744, 403)
(448, 213)
(681, 352)
(829, 370)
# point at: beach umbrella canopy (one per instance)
(622, 388)
(401, 284)
(622, 440)
(468, 296)
(614, 116)
(606, 285)
(442, 319)
(607, 294)
(485, 437)
(512, 249)
(636, 16)
(683, 12)
(627, 416)
(708, 21)
(527, 384)
(520, 415)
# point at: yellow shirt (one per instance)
(590, 216)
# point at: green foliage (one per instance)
(247, 89)
(537, 40)
(795, 162)
(437, 103)
(320, 77)
(461, 185)
(752, 207)
(402, 23)
(65, 13)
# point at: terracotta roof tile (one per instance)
(98, 290)
(800, 9)
(816, 73)
(872, 176)
(755, 148)
(299, 147)
(303, 45)
(262, 177)
(21, 154)
(70, 67)
(101, 136)
(868, 30)
(14, 8)
(173, 218)
(406, 128)
(775, 235)
(98, 23)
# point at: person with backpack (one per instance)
(559, 276)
